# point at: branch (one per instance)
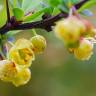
(7, 11)
(44, 24)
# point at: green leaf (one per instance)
(75, 1)
(18, 13)
(72, 1)
(69, 3)
(2, 14)
(63, 8)
(87, 5)
(36, 14)
(56, 11)
(54, 3)
(20, 3)
(15, 3)
(30, 5)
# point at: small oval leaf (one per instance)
(31, 17)
(18, 13)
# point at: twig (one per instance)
(7, 11)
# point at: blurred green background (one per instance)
(56, 72)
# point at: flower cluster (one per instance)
(15, 68)
(78, 35)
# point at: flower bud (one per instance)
(84, 51)
(39, 43)
(21, 53)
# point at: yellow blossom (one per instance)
(21, 53)
(22, 77)
(39, 43)
(8, 70)
(69, 29)
(84, 51)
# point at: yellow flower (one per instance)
(22, 77)
(84, 51)
(39, 43)
(69, 29)
(8, 70)
(21, 53)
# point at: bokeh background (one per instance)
(56, 72)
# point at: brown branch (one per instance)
(7, 11)
(44, 24)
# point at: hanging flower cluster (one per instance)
(15, 69)
(78, 35)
